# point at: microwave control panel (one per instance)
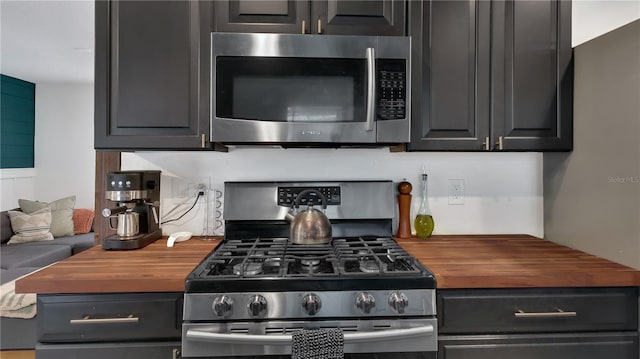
(392, 92)
(286, 196)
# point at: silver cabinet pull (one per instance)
(486, 144)
(285, 339)
(203, 141)
(371, 88)
(557, 314)
(88, 320)
(319, 26)
(500, 143)
(304, 27)
(175, 354)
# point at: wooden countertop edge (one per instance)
(452, 266)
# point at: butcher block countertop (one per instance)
(154, 268)
(470, 261)
(514, 261)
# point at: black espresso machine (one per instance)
(134, 216)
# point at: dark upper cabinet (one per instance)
(343, 17)
(532, 71)
(450, 74)
(491, 75)
(151, 87)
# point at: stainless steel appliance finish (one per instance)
(136, 196)
(309, 226)
(256, 288)
(274, 337)
(357, 199)
(331, 89)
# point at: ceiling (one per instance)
(47, 40)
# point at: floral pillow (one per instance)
(31, 227)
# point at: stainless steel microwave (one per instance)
(310, 89)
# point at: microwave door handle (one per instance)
(371, 88)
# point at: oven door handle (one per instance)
(285, 339)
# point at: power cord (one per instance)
(200, 194)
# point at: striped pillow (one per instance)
(30, 227)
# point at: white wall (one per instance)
(592, 18)
(14, 184)
(503, 191)
(64, 154)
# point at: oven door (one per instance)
(415, 336)
(285, 88)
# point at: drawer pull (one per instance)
(557, 314)
(88, 320)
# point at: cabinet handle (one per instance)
(557, 314)
(319, 26)
(203, 141)
(500, 143)
(487, 144)
(88, 320)
(175, 354)
(304, 26)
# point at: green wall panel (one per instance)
(17, 122)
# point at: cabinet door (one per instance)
(120, 350)
(358, 17)
(275, 16)
(532, 75)
(150, 57)
(450, 74)
(622, 345)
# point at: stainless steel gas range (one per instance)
(250, 294)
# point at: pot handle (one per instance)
(301, 195)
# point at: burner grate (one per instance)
(275, 257)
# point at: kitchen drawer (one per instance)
(474, 311)
(120, 350)
(537, 346)
(109, 317)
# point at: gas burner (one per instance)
(310, 262)
(250, 269)
(369, 266)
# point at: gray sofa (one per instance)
(17, 260)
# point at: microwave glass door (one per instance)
(290, 89)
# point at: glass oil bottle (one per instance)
(423, 222)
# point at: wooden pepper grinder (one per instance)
(404, 208)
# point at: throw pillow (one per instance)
(30, 227)
(83, 220)
(61, 214)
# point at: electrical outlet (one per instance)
(456, 191)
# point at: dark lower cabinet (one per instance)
(538, 323)
(119, 350)
(568, 346)
(331, 17)
(151, 75)
(110, 325)
(491, 75)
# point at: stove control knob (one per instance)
(222, 306)
(398, 302)
(365, 302)
(257, 306)
(311, 304)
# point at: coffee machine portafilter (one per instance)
(134, 216)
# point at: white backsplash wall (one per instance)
(502, 191)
